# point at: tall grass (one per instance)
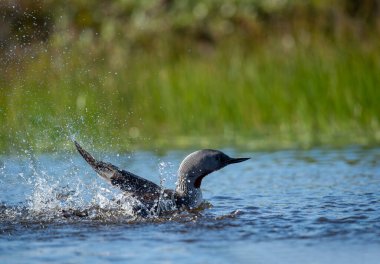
(273, 96)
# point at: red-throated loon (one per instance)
(187, 194)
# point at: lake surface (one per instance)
(294, 206)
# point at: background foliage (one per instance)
(149, 74)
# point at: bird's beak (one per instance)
(237, 160)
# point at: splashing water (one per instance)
(60, 192)
(57, 193)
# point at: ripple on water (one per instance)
(309, 196)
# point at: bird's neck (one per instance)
(187, 194)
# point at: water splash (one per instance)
(62, 193)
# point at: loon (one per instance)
(187, 195)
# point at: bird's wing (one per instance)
(125, 180)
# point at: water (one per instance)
(314, 206)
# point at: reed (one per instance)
(271, 97)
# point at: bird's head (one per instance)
(201, 163)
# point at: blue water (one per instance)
(294, 206)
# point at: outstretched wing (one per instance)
(123, 179)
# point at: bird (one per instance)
(186, 196)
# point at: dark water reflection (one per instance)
(315, 206)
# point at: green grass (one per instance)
(272, 96)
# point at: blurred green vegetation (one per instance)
(150, 74)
